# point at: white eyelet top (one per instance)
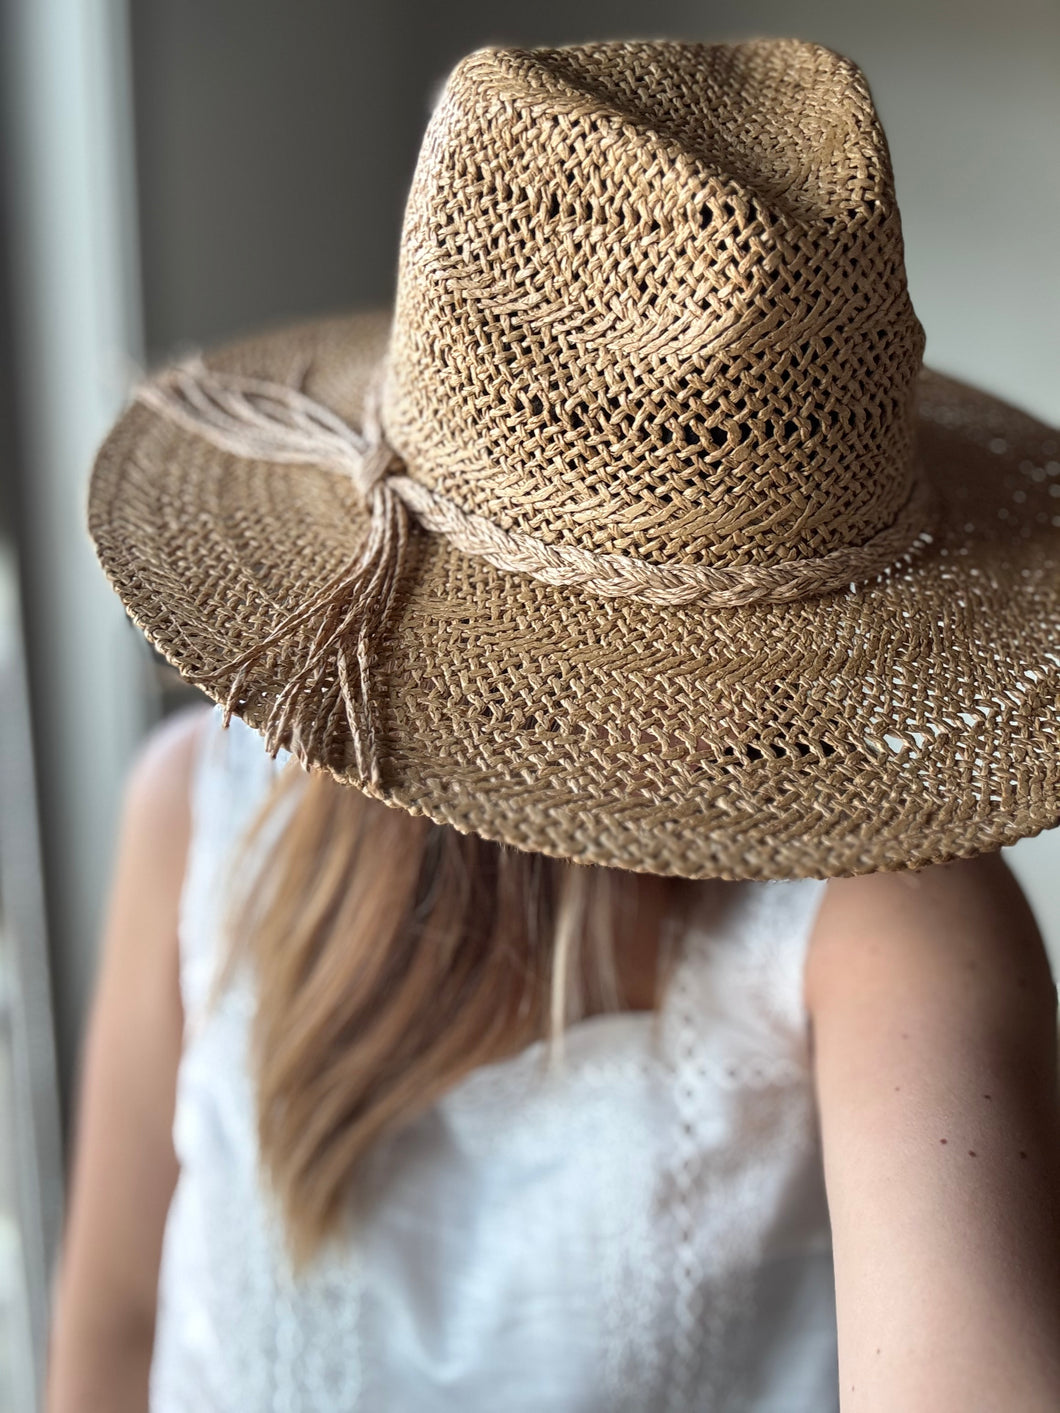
(643, 1227)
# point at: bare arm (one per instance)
(124, 1168)
(935, 1052)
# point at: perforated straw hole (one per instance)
(795, 751)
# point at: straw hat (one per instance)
(635, 533)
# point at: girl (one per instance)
(625, 583)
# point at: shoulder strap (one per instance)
(232, 778)
(741, 970)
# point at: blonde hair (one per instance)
(392, 956)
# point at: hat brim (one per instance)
(908, 721)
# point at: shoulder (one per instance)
(140, 945)
(157, 800)
(963, 925)
(165, 760)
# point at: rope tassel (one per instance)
(270, 422)
(352, 614)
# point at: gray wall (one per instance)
(275, 143)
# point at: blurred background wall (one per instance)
(178, 171)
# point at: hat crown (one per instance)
(652, 302)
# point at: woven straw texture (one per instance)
(652, 312)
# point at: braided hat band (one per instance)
(274, 422)
(635, 532)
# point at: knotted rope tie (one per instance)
(259, 420)
(264, 421)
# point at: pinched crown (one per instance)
(652, 302)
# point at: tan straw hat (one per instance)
(635, 533)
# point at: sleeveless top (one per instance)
(642, 1227)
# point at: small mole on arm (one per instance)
(944, 1140)
(986, 1096)
(972, 1153)
(1022, 1154)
